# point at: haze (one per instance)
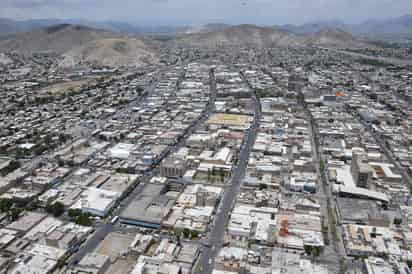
(175, 12)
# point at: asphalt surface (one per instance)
(216, 236)
(106, 227)
(387, 60)
(335, 251)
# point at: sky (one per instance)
(196, 12)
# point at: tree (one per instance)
(194, 234)
(262, 186)
(84, 219)
(62, 138)
(322, 166)
(33, 205)
(56, 209)
(209, 174)
(316, 251)
(222, 174)
(13, 165)
(312, 250)
(308, 249)
(74, 212)
(397, 221)
(213, 172)
(5, 204)
(186, 232)
(15, 213)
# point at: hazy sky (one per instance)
(206, 11)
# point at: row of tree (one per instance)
(212, 173)
(7, 206)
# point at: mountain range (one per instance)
(10, 26)
(80, 44)
(399, 27)
(77, 45)
(396, 27)
(256, 36)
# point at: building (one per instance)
(96, 201)
(361, 172)
(92, 263)
(150, 207)
(173, 167)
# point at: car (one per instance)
(210, 261)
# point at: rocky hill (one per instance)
(79, 44)
(333, 38)
(242, 35)
(110, 52)
(250, 35)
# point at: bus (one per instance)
(114, 219)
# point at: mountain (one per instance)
(80, 44)
(400, 27)
(243, 35)
(57, 39)
(250, 35)
(110, 52)
(333, 38)
(206, 28)
(394, 27)
(313, 27)
(9, 26)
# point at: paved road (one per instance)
(106, 228)
(380, 140)
(216, 235)
(387, 60)
(388, 153)
(335, 251)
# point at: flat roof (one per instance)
(362, 192)
(27, 221)
(150, 206)
(229, 119)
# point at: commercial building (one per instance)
(150, 207)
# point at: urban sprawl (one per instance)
(223, 161)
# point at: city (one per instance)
(221, 159)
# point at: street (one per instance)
(216, 236)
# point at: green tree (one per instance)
(15, 213)
(209, 174)
(312, 250)
(13, 165)
(397, 221)
(308, 249)
(56, 209)
(194, 234)
(186, 233)
(262, 186)
(213, 172)
(222, 174)
(73, 213)
(5, 204)
(84, 219)
(316, 251)
(33, 205)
